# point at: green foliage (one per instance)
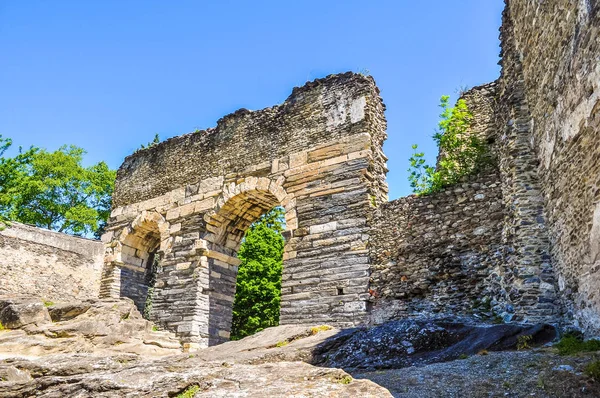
(2, 327)
(189, 392)
(345, 380)
(523, 342)
(258, 289)
(592, 370)
(155, 141)
(48, 303)
(461, 153)
(421, 175)
(570, 344)
(316, 329)
(53, 190)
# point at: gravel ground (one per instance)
(535, 373)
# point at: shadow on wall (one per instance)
(138, 252)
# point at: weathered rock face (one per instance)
(111, 360)
(189, 200)
(400, 344)
(124, 376)
(94, 326)
(48, 264)
(16, 313)
(552, 49)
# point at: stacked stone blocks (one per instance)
(327, 187)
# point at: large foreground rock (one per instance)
(103, 348)
(100, 327)
(131, 376)
(395, 344)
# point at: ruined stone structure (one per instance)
(48, 265)
(551, 66)
(189, 200)
(520, 240)
(476, 248)
(542, 263)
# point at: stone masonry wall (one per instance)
(553, 49)
(191, 198)
(438, 255)
(479, 248)
(47, 264)
(432, 255)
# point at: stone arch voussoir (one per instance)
(247, 200)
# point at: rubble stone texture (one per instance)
(551, 50)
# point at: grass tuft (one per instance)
(592, 370)
(570, 345)
(316, 329)
(345, 380)
(189, 392)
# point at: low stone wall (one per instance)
(432, 255)
(47, 264)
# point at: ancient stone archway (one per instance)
(130, 255)
(318, 155)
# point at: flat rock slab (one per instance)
(129, 376)
(395, 344)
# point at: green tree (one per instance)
(461, 151)
(11, 174)
(53, 190)
(258, 288)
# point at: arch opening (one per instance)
(240, 226)
(138, 262)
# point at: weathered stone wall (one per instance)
(551, 49)
(191, 198)
(438, 255)
(432, 255)
(479, 248)
(47, 264)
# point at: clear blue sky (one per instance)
(107, 75)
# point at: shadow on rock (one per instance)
(399, 344)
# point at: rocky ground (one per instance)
(531, 373)
(106, 349)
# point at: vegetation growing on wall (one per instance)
(54, 190)
(258, 289)
(461, 153)
(152, 143)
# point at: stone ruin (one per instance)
(190, 199)
(520, 241)
(517, 242)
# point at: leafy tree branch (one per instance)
(462, 152)
(54, 190)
